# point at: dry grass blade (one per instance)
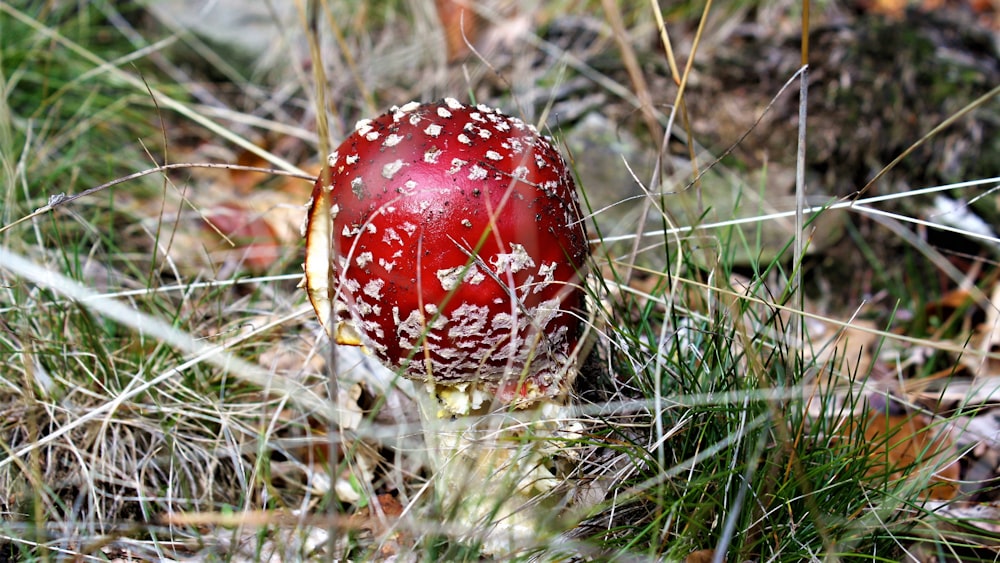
(161, 98)
(214, 355)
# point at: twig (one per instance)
(58, 200)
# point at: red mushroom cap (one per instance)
(458, 249)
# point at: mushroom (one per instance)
(447, 240)
(450, 239)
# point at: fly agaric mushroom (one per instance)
(450, 238)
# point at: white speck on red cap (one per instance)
(410, 106)
(390, 169)
(477, 172)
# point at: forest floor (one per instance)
(759, 388)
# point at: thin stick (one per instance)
(58, 200)
(796, 326)
(632, 66)
(335, 428)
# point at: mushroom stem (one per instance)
(491, 473)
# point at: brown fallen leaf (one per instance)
(244, 181)
(700, 556)
(460, 24)
(891, 8)
(244, 237)
(906, 447)
(987, 339)
(379, 518)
